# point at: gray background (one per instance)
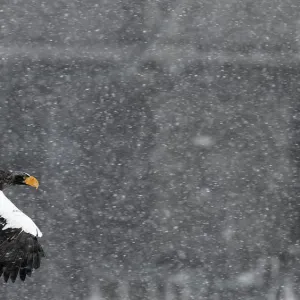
(165, 138)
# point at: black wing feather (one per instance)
(22, 274)
(6, 275)
(36, 260)
(20, 252)
(14, 273)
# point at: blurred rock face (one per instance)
(165, 139)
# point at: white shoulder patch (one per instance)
(16, 218)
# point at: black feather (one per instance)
(28, 271)
(6, 275)
(14, 274)
(29, 260)
(22, 274)
(1, 269)
(20, 252)
(35, 260)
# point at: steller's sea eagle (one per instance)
(20, 251)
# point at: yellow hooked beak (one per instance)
(32, 181)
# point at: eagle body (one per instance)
(20, 250)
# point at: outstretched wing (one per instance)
(20, 252)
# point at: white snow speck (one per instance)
(204, 141)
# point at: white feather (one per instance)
(16, 218)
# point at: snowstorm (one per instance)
(165, 136)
